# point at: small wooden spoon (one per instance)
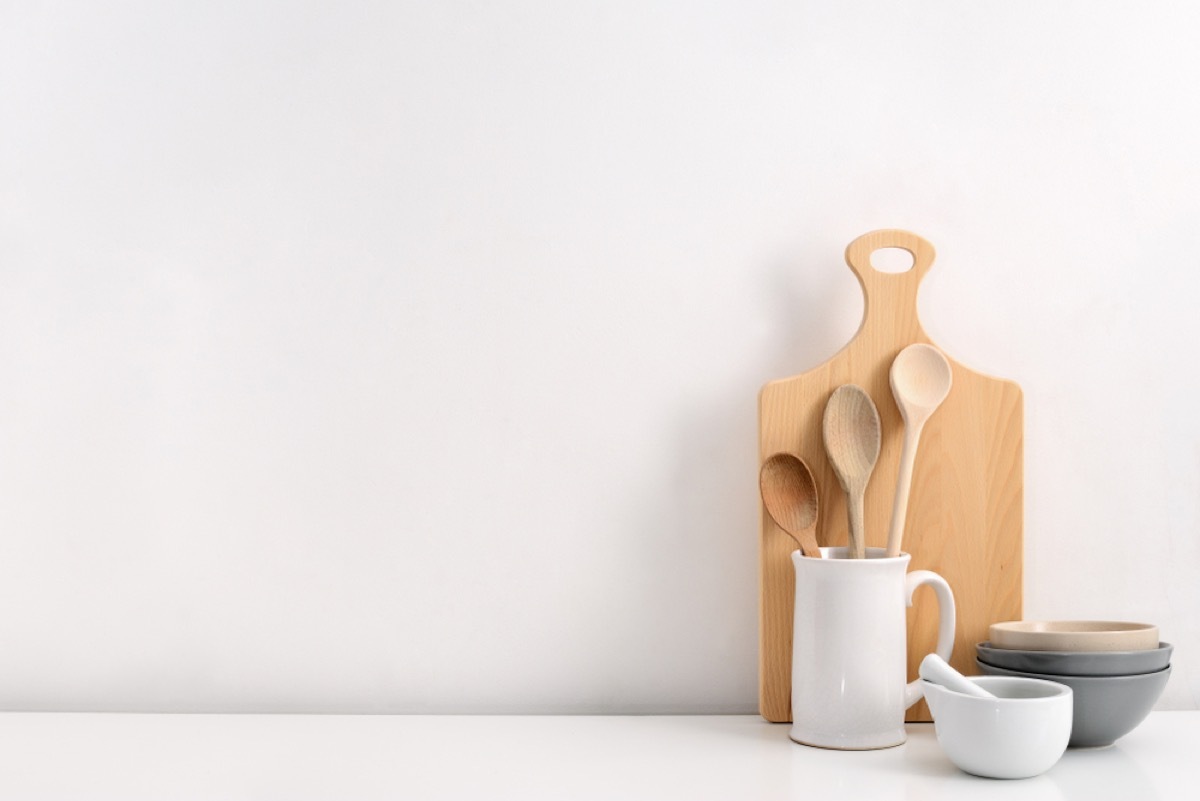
(790, 495)
(921, 379)
(852, 440)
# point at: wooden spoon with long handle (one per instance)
(852, 440)
(920, 379)
(790, 495)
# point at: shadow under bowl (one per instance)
(1106, 707)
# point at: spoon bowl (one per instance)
(852, 440)
(920, 377)
(790, 495)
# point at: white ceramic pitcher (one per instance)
(849, 660)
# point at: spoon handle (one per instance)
(908, 456)
(854, 506)
(808, 542)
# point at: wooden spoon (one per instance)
(790, 495)
(921, 379)
(852, 440)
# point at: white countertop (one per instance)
(296, 757)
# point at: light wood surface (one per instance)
(920, 378)
(850, 431)
(965, 511)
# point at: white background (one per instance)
(404, 356)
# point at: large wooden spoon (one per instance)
(852, 440)
(921, 379)
(790, 495)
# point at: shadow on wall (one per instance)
(686, 618)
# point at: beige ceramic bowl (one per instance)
(1073, 635)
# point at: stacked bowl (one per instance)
(1116, 670)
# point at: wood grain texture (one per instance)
(850, 429)
(789, 494)
(965, 513)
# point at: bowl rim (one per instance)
(1059, 688)
(1075, 627)
(1163, 645)
(1073, 635)
(1029, 674)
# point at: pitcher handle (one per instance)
(946, 621)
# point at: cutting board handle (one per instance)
(890, 299)
(858, 253)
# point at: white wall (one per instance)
(404, 356)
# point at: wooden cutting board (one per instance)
(966, 507)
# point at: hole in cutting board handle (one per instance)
(892, 260)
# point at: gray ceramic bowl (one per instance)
(1077, 663)
(1106, 707)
